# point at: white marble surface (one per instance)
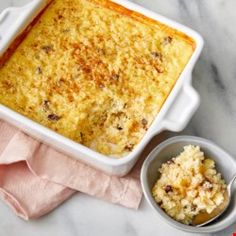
(214, 78)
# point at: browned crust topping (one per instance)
(94, 72)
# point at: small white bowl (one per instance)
(225, 164)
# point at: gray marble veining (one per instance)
(215, 79)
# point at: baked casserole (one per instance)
(94, 72)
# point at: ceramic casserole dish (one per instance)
(175, 113)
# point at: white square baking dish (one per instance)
(176, 112)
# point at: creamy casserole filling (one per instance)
(94, 72)
(189, 185)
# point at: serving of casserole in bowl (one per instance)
(96, 79)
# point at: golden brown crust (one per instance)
(111, 5)
(144, 19)
(94, 72)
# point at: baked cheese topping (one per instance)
(94, 72)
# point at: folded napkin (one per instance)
(35, 179)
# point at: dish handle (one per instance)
(13, 21)
(181, 110)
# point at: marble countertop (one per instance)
(215, 79)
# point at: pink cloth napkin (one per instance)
(35, 179)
